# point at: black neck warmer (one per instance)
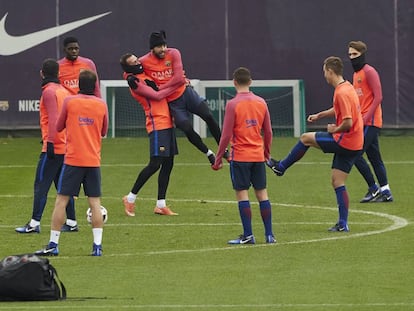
(48, 79)
(134, 69)
(358, 62)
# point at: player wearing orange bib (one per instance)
(160, 129)
(85, 119)
(367, 83)
(344, 138)
(72, 64)
(165, 67)
(246, 117)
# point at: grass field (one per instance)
(155, 262)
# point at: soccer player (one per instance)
(85, 118)
(160, 129)
(367, 83)
(344, 139)
(72, 64)
(53, 149)
(245, 118)
(165, 67)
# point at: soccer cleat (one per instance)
(164, 211)
(129, 207)
(67, 228)
(50, 250)
(96, 250)
(212, 158)
(275, 167)
(370, 196)
(384, 196)
(339, 228)
(270, 239)
(28, 229)
(243, 240)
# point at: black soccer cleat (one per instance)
(275, 167)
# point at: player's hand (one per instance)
(313, 118)
(217, 165)
(50, 150)
(152, 84)
(331, 128)
(132, 81)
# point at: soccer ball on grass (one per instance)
(103, 211)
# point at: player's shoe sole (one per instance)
(243, 240)
(164, 211)
(339, 228)
(67, 228)
(129, 207)
(50, 250)
(270, 239)
(370, 196)
(28, 229)
(96, 250)
(275, 167)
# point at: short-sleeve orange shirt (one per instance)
(346, 105)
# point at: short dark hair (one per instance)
(124, 57)
(50, 68)
(242, 76)
(87, 81)
(335, 64)
(68, 40)
(358, 45)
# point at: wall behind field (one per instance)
(276, 39)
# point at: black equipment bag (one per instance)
(29, 277)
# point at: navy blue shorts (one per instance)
(163, 143)
(246, 174)
(343, 159)
(190, 101)
(71, 178)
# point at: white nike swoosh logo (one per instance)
(11, 45)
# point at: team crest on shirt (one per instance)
(168, 63)
(162, 149)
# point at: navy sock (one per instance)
(294, 155)
(246, 217)
(266, 213)
(343, 204)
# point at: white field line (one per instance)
(397, 223)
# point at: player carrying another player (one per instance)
(165, 67)
(160, 129)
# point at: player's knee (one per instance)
(154, 164)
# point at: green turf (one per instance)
(155, 262)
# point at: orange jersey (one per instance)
(166, 71)
(85, 118)
(69, 73)
(346, 105)
(51, 103)
(368, 87)
(246, 117)
(157, 112)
